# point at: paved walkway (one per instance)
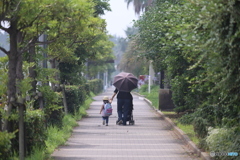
(149, 139)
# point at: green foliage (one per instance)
(3, 75)
(35, 129)
(78, 24)
(130, 57)
(200, 127)
(95, 85)
(143, 88)
(50, 96)
(187, 119)
(189, 131)
(75, 96)
(69, 72)
(87, 89)
(46, 75)
(5, 144)
(25, 86)
(57, 136)
(153, 96)
(223, 139)
(197, 43)
(52, 105)
(101, 6)
(38, 154)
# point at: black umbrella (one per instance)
(125, 82)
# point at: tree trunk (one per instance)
(11, 86)
(21, 106)
(21, 132)
(15, 75)
(64, 99)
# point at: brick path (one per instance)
(149, 139)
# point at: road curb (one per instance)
(185, 138)
(180, 133)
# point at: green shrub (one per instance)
(187, 119)
(153, 96)
(200, 127)
(73, 97)
(52, 105)
(57, 136)
(5, 144)
(37, 154)
(82, 94)
(76, 95)
(54, 138)
(96, 85)
(143, 88)
(50, 97)
(223, 140)
(87, 89)
(35, 129)
(55, 116)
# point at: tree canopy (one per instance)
(197, 43)
(64, 32)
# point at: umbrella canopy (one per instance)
(125, 82)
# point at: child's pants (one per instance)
(105, 118)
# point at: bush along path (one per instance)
(149, 138)
(51, 126)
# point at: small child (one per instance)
(104, 116)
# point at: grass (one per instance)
(153, 97)
(169, 112)
(188, 130)
(39, 154)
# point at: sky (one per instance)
(119, 18)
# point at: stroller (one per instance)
(130, 116)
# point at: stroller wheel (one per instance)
(131, 122)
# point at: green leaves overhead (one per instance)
(197, 43)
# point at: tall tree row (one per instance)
(47, 32)
(197, 43)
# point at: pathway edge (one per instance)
(179, 132)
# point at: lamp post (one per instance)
(150, 77)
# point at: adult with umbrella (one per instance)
(124, 83)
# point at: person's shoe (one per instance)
(119, 122)
(106, 124)
(103, 122)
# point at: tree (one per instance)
(132, 62)
(140, 5)
(197, 43)
(131, 59)
(101, 6)
(27, 22)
